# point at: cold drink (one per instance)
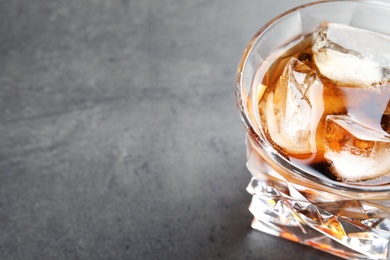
(313, 92)
(337, 125)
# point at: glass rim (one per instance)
(263, 142)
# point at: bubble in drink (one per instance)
(330, 106)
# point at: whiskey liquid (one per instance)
(370, 106)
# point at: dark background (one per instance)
(119, 135)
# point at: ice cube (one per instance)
(355, 151)
(293, 111)
(352, 56)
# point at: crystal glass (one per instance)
(350, 221)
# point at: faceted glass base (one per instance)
(308, 224)
(326, 219)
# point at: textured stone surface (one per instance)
(120, 138)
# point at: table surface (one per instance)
(120, 138)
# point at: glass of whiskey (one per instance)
(313, 91)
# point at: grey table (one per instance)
(120, 138)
